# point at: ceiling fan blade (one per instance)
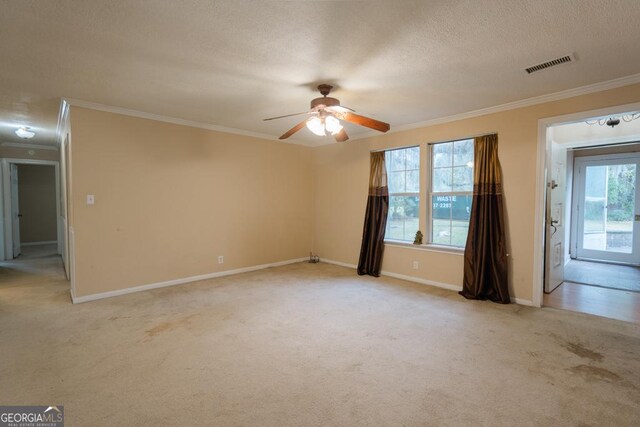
(341, 136)
(288, 115)
(366, 121)
(293, 130)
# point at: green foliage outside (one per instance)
(448, 233)
(403, 207)
(621, 193)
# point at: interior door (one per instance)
(556, 195)
(608, 212)
(15, 210)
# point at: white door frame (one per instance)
(14, 194)
(5, 196)
(541, 183)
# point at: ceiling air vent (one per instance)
(557, 61)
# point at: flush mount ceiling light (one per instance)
(614, 121)
(25, 132)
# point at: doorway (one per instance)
(31, 214)
(591, 239)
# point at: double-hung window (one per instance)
(451, 191)
(403, 174)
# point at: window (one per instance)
(451, 192)
(403, 173)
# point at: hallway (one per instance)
(35, 271)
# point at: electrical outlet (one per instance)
(220, 259)
(415, 265)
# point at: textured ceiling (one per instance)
(233, 63)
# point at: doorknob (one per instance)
(637, 217)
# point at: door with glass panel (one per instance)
(607, 208)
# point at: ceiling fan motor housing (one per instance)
(327, 101)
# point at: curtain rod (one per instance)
(617, 144)
(434, 142)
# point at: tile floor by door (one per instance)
(615, 276)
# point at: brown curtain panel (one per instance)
(485, 255)
(375, 219)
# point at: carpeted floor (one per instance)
(308, 345)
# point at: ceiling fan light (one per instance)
(332, 125)
(25, 133)
(316, 126)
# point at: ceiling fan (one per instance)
(326, 113)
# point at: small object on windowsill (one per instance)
(418, 239)
(313, 259)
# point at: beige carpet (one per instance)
(308, 345)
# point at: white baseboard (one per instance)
(522, 301)
(340, 263)
(402, 276)
(118, 292)
(50, 242)
(422, 281)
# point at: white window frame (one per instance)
(430, 193)
(417, 194)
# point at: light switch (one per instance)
(91, 199)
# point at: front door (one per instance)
(556, 195)
(608, 212)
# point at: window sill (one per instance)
(426, 247)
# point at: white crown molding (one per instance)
(569, 93)
(29, 146)
(556, 96)
(160, 118)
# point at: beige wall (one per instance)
(341, 176)
(37, 201)
(170, 199)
